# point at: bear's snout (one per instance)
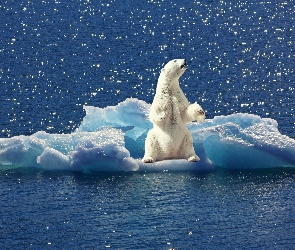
(184, 65)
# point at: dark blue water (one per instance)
(225, 210)
(56, 56)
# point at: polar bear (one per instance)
(170, 112)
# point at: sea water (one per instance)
(57, 56)
(62, 62)
(183, 210)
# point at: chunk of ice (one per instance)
(112, 139)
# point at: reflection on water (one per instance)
(58, 56)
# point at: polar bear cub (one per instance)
(170, 112)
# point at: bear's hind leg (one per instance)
(150, 145)
(189, 151)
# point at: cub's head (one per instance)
(174, 69)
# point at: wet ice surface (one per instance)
(112, 139)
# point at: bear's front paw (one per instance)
(200, 112)
(195, 113)
(199, 115)
(193, 158)
(148, 160)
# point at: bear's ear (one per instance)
(162, 70)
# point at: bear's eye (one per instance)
(175, 60)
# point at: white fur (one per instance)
(170, 112)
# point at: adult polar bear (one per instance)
(170, 112)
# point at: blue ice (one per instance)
(112, 139)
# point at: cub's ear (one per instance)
(162, 70)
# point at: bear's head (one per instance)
(174, 69)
